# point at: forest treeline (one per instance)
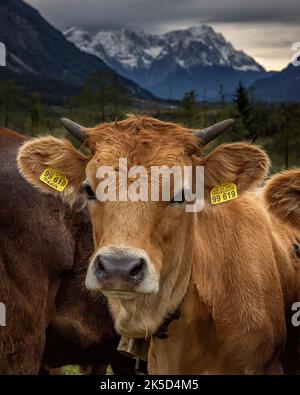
(275, 126)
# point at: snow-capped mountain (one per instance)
(173, 63)
(132, 50)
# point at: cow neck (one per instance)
(162, 331)
(174, 315)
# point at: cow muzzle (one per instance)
(129, 270)
(122, 273)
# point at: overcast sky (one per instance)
(265, 29)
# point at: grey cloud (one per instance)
(263, 28)
(156, 14)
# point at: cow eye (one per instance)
(178, 198)
(86, 188)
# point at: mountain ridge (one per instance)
(283, 86)
(41, 52)
(157, 61)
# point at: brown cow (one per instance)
(44, 251)
(229, 270)
(282, 197)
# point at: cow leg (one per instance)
(57, 372)
(96, 370)
(99, 370)
(123, 365)
(85, 370)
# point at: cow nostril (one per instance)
(107, 268)
(100, 268)
(138, 270)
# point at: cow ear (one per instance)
(35, 156)
(242, 164)
(282, 196)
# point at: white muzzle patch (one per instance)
(149, 284)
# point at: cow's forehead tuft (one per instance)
(142, 131)
(139, 153)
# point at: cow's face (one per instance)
(134, 238)
(143, 249)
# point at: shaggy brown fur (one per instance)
(282, 194)
(282, 197)
(230, 267)
(58, 154)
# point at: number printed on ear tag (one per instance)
(223, 193)
(54, 179)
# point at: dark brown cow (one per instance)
(44, 252)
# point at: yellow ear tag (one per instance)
(54, 179)
(223, 193)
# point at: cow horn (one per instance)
(75, 129)
(208, 134)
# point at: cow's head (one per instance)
(143, 249)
